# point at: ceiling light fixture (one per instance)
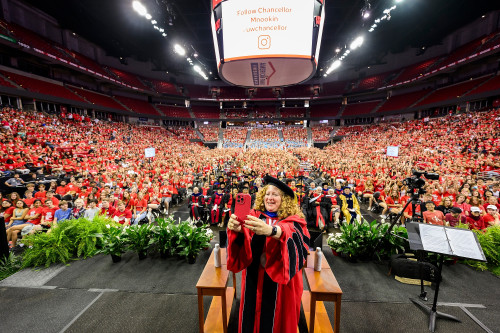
(357, 43)
(148, 16)
(179, 50)
(336, 64)
(139, 8)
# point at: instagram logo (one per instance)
(264, 42)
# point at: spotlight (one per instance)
(357, 42)
(164, 34)
(148, 16)
(139, 8)
(179, 50)
(366, 14)
(195, 55)
(162, 30)
(153, 22)
(337, 50)
(366, 10)
(336, 64)
(398, 1)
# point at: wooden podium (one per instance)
(213, 282)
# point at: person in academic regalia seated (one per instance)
(270, 248)
(195, 205)
(317, 214)
(332, 205)
(229, 202)
(301, 196)
(325, 188)
(350, 205)
(216, 206)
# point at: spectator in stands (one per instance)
(92, 210)
(282, 223)
(15, 181)
(455, 217)
(122, 215)
(475, 220)
(78, 209)
(63, 213)
(492, 217)
(6, 212)
(446, 205)
(433, 216)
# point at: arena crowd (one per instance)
(57, 167)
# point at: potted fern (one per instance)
(139, 239)
(114, 242)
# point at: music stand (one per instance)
(442, 240)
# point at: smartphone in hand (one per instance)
(242, 206)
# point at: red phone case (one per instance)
(242, 206)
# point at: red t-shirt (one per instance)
(121, 216)
(435, 217)
(48, 213)
(476, 224)
(487, 219)
(29, 202)
(9, 211)
(33, 212)
(108, 212)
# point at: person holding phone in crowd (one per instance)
(270, 247)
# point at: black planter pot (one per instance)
(116, 258)
(348, 257)
(191, 260)
(142, 255)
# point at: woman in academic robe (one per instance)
(270, 247)
(316, 209)
(216, 206)
(195, 205)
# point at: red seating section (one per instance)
(5, 83)
(89, 63)
(325, 110)
(403, 101)
(129, 79)
(490, 41)
(163, 87)
(174, 111)
(359, 108)
(205, 112)
(451, 92)
(293, 112)
(264, 93)
(334, 88)
(265, 112)
(493, 84)
(137, 105)
(98, 99)
(414, 71)
(197, 91)
(36, 41)
(42, 87)
(232, 92)
(461, 53)
(372, 82)
(297, 91)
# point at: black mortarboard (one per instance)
(325, 184)
(456, 210)
(268, 180)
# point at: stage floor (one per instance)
(159, 295)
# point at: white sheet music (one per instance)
(434, 239)
(463, 244)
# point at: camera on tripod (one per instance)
(415, 183)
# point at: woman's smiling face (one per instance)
(272, 199)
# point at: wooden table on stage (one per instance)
(213, 282)
(323, 287)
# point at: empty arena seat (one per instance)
(491, 85)
(293, 112)
(325, 110)
(414, 71)
(97, 99)
(174, 111)
(359, 108)
(451, 92)
(137, 105)
(403, 101)
(129, 78)
(205, 112)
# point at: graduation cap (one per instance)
(268, 180)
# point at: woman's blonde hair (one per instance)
(287, 208)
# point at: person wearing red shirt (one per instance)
(106, 208)
(122, 215)
(6, 211)
(61, 189)
(28, 200)
(140, 208)
(491, 218)
(455, 217)
(48, 213)
(166, 192)
(475, 220)
(433, 216)
(41, 192)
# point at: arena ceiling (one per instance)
(118, 29)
